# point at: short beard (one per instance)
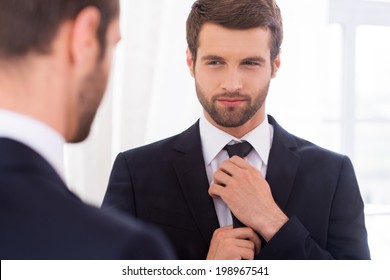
(90, 97)
(232, 116)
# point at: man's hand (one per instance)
(248, 196)
(234, 244)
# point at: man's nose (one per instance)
(232, 81)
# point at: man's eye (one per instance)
(214, 62)
(251, 63)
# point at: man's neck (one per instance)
(29, 87)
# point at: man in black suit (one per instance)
(285, 199)
(54, 64)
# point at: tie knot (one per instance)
(240, 149)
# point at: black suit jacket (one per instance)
(165, 183)
(41, 219)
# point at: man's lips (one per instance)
(231, 102)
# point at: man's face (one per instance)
(232, 74)
(94, 85)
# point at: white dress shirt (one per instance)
(36, 135)
(214, 140)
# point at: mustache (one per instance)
(235, 94)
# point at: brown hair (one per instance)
(30, 25)
(235, 14)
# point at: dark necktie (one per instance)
(242, 150)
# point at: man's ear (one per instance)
(190, 62)
(276, 65)
(84, 39)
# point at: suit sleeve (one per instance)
(119, 194)
(347, 236)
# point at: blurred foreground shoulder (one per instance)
(139, 240)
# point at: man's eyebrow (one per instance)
(255, 58)
(251, 58)
(212, 57)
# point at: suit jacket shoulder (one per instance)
(318, 191)
(41, 219)
(185, 141)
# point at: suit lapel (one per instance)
(191, 173)
(283, 164)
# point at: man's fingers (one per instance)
(249, 234)
(222, 178)
(215, 190)
(230, 243)
(240, 162)
(247, 248)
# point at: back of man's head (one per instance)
(57, 52)
(29, 26)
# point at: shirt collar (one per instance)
(36, 135)
(213, 139)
